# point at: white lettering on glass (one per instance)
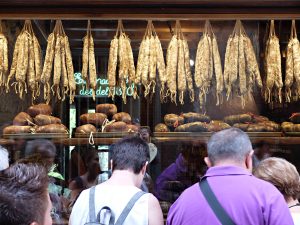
(102, 87)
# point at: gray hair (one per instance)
(232, 143)
(4, 160)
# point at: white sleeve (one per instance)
(80, 211)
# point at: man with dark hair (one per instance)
(236, 195)
(24, 198)
(129, 160)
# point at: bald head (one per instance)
(228, 145)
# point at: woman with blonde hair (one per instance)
(285, 177)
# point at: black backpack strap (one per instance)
(213, 202)
(128, 207)
(92, 213)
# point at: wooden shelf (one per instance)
(155, 9)
(166, 140)
(254, 140)
(85, 141)
(186, 140)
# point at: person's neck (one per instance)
(125, 178)
(230, 163)
(91, 176)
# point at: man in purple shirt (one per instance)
(245, 198)
(181, 174)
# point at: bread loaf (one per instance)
(172, 119)
(93, 118)
(132, 128)
(17, 129)
(52, 128)
(108, 109)
(287, 126)
(35, 110)
(271, 124)
(41, 120)
(217, 125)
(195, 117)
(192, 127)
(259, 119)
(122, 116)
(161, 127)
(290, 127)
(296, 128)
(22, 119)
(260, 128)
(119, 126)
(242, 126)
(86, 129)
(241, 118)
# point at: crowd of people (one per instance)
(213, 184)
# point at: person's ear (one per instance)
(111, 164)
(34, 223)
(249, 161)
(145, 168)
(207, 162)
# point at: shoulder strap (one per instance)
(92, 214)
(215, 205)
(128, 207)
(106, 216)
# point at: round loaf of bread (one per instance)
(119, 126)
(17, 129)
(172, 119)
(41, 120)
(122, 116)
(22, 119)
(35, 110)
(108, 109)
(86, 129)
(52, 128)
(93, 118)
(161, 127)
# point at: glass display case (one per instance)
(217, 77)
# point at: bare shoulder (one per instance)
(155, 216)
(152, 200)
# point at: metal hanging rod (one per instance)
(154, 17)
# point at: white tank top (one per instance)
(115, 197)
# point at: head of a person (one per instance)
(282, 174)
(24, 198)
(4, 159)
(194, 159)
(229, 147)
(91, 160)
(130, 153)
(144, 133)
(40, 151)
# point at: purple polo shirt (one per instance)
(175, 172)
(247, 200)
